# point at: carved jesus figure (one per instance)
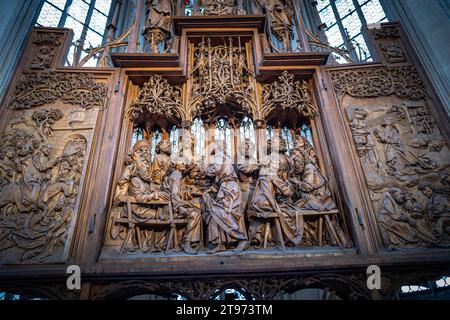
(223, 215)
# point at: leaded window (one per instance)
(344, 19)
(87, 18)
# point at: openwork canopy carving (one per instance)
(220, 75)
(37, 89)
(288, 94)
(157, 97)
(405, 82)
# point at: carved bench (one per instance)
(132, 224)
(274, 217)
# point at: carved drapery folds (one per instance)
(405, 82)
(288, 94)
(221, 74)
(403, 154)
(37, 89)
(279, 14)
(157, 97)
(159, 203)
(223, 7)
(41, 164)
(158, 28)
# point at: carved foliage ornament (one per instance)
(157, 97)
(50, 39)
(385, 33)
(405, 82)
(288, 94)
(348, 286)
(36, 89)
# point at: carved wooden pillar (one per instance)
(364, 233)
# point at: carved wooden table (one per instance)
(275, 218)
(132, 224)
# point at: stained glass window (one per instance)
(344, 20)
(174, 137)
(87, 18)
(137, 136)
(223, 134)
(306, 132)
(286, 135)
(155, 139)
(246, 130)
(198, 131)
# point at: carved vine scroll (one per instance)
(39, 88)
(405, 82)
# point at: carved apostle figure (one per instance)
(438, 209)
(315, 192)
(183, 206)
(399, 228)
(160, 165)
(280, 15)
(247, 170)
(273, 194)
(223, 215)
(159, 23)
(136, 181)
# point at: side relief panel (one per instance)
(43, 157)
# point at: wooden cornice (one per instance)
(201, 22)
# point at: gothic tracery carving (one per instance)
(221, 74)
(288, 94)
(158, 97)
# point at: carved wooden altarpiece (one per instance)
(209, 155)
